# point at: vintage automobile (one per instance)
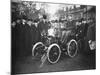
(59, 39)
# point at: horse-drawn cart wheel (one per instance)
(72, 48)
(35, 49)
(53, 53)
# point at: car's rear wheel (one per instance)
(72, 48)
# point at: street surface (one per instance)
(65, 63)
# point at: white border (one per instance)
(5, 37)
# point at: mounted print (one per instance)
(52, 37)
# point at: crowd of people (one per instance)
(26, 32)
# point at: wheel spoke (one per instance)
(72, 49)
(53, 53)
(36, 48)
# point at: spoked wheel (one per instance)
(36, 48)
(72, 48)
(53, 53)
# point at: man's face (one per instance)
(13, 24)
(23, 21)
(18, 21)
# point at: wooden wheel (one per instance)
(35, 49)
(53, 53)
(72, 48)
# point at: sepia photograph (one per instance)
(52, 37)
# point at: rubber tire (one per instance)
(34, 46)
(49, 49)
(76, 48)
